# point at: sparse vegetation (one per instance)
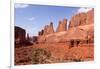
(41, 56)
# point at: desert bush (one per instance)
(41, 56)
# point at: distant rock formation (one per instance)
(59, 28)
(51, 29)
(20, 34)
(40, 33)
(62, 26)
(48, 29)
(28, 38)
(81, 30)
(82, 19)
(35, 39)
(90, 17)
(20, 37)
(65, 24)
(78, 19)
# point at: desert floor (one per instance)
(53, 53)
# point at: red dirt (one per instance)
(58, 50)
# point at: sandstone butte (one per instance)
(19, 34)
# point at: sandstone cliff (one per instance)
(81, 27)
(82, 19)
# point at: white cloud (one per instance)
(31, 19)
(80, 10)
(21, 5)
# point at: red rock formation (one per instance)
(90, 17)
(78, 19)
(82, 19)
(20, 37)
(65, 24)
(19, 34)
(28, 36)
(62, 26)
(59, 28)
(35, 39)
(41, 32)
(85, 28)
(48, 29)
(51, 29)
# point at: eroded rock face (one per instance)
(65, 24)
(82, 19)
(59, 28)
(35, 39)
(48, 29)
(51, 29)
(62, 26)
(41, 32)
(20, 37)
(77, 20)
(90, 17)
(81, 28)
(28, 38)
(19, 34)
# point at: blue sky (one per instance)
(34, 17)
